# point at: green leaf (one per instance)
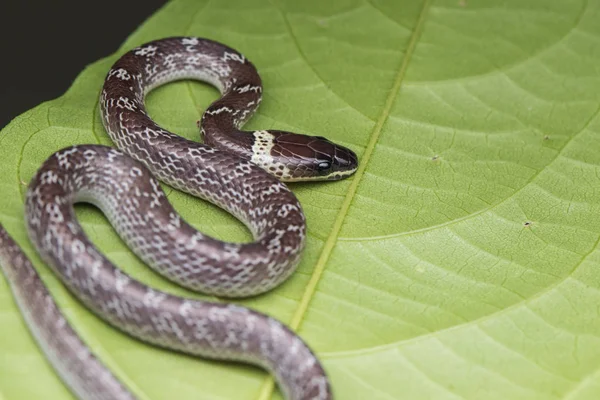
(460, 262)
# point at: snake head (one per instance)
(294, 157)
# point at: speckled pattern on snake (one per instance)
(239, 171)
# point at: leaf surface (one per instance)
(460, 262)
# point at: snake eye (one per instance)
(324, 167)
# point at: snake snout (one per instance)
(345, 160)
(333, 160)
(344, 163)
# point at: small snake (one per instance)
(239, 171)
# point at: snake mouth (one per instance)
(341, 174)
(332, 176)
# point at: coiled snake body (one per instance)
(228, 170)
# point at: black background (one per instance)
(45, 44)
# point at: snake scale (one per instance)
(241, 172)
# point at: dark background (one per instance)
(44, 44)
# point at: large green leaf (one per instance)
(460, 262)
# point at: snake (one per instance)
(242, 172)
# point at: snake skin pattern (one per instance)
(87, 377)
(239, 171)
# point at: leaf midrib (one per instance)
(266, 391)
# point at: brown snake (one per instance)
(227, 170)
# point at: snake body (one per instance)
(84, 374)
(236, 170)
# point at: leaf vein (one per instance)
(309, 65)
(512, 66)
(486, 209)
(475, 322)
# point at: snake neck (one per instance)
(230, 139)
